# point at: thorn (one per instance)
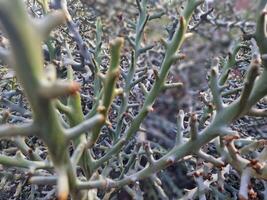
(256, 165)
(63, 196)
(101, 109)
(119, 91)
(156, 73)
(229, 138)
(74, 88)
(150, 109)
(170, 160)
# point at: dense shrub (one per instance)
(81, 125)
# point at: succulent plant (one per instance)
(84, 171)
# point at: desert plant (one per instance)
(61, 125)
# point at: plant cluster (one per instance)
(93, 152)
